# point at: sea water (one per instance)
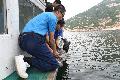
(92, 56)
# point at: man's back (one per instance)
(41, 23)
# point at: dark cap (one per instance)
(61, 21)
(61, 8)
(57, 1)
(49, 7)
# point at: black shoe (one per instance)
(28, 60)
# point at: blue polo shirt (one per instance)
(42, 23)
(58, 33)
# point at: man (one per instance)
(59, 34)
(32, 40)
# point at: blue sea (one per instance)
(92, 55)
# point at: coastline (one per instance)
(86, 30)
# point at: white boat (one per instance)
(13, 15)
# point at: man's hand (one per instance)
(57, 55)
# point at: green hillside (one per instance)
(104, 15)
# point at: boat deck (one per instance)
(34, 74)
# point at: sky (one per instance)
(74, 7)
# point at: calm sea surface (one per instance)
(92, 56)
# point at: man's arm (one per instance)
(53, 45)
(56, 42)
(47, 38)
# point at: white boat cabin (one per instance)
(13, 16)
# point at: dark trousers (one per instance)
(35, 45)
